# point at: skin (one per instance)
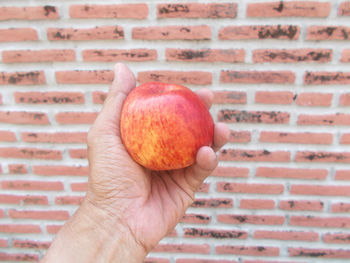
(128, 209)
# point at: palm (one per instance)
(151, 202)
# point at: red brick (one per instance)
(256, 204)
(289, 9)
(78, 153)
(29, 13)
(37, 214)
(106, 55)
(340, 207)
(44, 55)
(248, 250)
(274, 97)
(81, 34)
(270, 261)
(25, 199)
(27, 185)
(24, 117)
(52, 97)
(230, 97)
(18, 257)
(314, 221)
(345, 138)
(257, 77)
(344, 99)
(286, 235)
(292, 55)
(327, 157)
(200, 32)
(345, 55)
(76, 117)
(84, 77)
(344, 9)
(229, 171)
(197, 10)
(79, 187)
(98, 97)
(303, 138)
(22, 78)
(214, 233)
(30, 153)
(17, 169)
(32, 244)
(54, 137)
(325, 119)
(196, 260)
(327, 78)
(242, 116)
(325, 190)
(288, 32)
(20, 228)
(176, 77)
(4, 243)
(336, 238)
(53, 229)
(301, 205)
(182, 248)
(319, 252)
(18, 35)
(191, 218)
(156, 260)
(292, 173)
(251, 219)
(342, 175)
(239, 136)
(7, 136)
(212, 203)
(69, 200)
(327, 33)
(254, 155)
(205, 55)
(60, 170)
(250, 188)
(131, 11)
(314, 99)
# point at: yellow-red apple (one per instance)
(163, 125)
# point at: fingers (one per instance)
(221, 135)
(206, 96)
(108, 120)
(206, 162)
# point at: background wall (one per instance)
(280, 73)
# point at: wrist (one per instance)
(91, 235)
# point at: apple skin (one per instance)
(163, 125)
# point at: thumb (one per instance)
(107, 122)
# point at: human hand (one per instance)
(128, 201)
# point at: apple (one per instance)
(163, 125)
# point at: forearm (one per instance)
(89, 237)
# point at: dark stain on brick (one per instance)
(241, 219)
(318, 156)
(213, 234)
(312, 254)
(275, 33)
(49, 9)
(118, 32)
(261, 248)
(280, 7)
(38, 116)
(291, 204)
(86, 8)
(18, 77)
(295, 97)
(60, 35)
(185, 29)
(250, 117)
(201, 217)
(345, 34)
(174, 8)
(34, 135)
(190, 54)
(227, 187)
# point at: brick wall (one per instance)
(280, 74)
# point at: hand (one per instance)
(139, 204)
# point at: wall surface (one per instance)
(280, 73)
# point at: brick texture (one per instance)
(279, 73)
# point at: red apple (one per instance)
(164, 125)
